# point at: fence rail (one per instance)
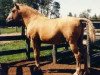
(16, 37)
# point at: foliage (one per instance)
(55, 10)
(5, 6)
(75, 15)
(44, 6)
(95, 17)
(85, 14)
(28, 2)
(70, 14)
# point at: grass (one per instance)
(10, 30)
(16, 45)
(12, 58)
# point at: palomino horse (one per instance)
(54, 31)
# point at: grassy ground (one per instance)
(10, 30)
(13, 45)
(16, 45)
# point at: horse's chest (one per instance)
(31, 32)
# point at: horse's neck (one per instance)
(26, 20)
(32, 18)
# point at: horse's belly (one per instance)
(56, 39)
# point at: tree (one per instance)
(44, 6)
(99, 17)
(5, 6)
(75, 15)
(70, 14)
(28, 2)
(95, 17)
(85, 14)
(55, 10)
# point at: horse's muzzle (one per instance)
(9, 19)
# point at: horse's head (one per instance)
(14, 14)
(23, 13)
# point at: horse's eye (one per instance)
(13, 11)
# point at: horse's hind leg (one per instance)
(74, 48)
(84, 54)
(36, 47)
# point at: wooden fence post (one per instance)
(54, 54)
(3, 69)
(28, 48)
(0, 30)
(23, 30)
(88, 47)
(27, 43)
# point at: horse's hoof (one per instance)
(37, 68)
(86, 72)
(77, 73)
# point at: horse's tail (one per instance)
(91, 28)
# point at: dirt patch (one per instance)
(47, 68)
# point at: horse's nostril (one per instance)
(8, 19)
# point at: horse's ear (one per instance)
(16, 6)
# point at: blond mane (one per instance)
(30, 9)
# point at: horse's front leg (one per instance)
(76, 52)
(36, 47)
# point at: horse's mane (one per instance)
(30, 9)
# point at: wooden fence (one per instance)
(23, 37)
(27, 50)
